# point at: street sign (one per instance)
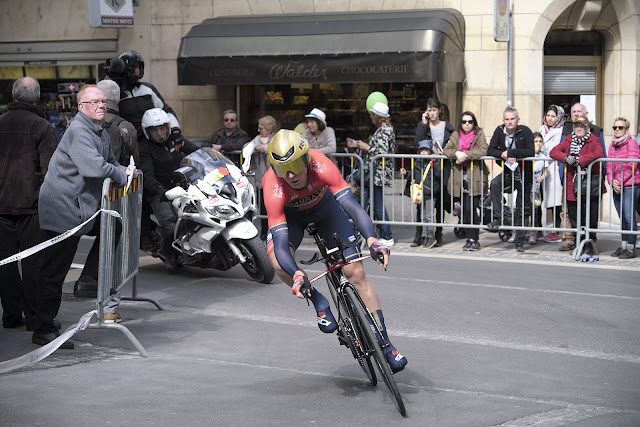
(501, 20)
(110, 13)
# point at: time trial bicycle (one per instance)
(357, 328)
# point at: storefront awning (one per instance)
(404, 46)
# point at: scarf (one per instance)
(577, 143)
(465, 141)
(617, 142)
(559, 123)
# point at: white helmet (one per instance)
(155, 117)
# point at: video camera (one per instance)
(115, 68)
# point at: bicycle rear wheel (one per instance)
(373, 346)
(354, 335)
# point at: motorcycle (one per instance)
(215, 205)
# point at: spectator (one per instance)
(624, 179)
(537, 190)
(320, 136)
(426, 172)
(159, 157)
(383, 141)
(27, 142)
(509, 143)
(466, 146)
(580, 148)
(439, 131)
(551, 131)
(267, 127)
(124, 143)
(230, 137)
(70, 195)
(578, 110)
(123, 135)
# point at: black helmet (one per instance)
(131, 59)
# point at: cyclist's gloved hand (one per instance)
(380, 254)
(301, 286)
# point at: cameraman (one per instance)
(136, 98)
(159, 157)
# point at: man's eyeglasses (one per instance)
(230, 120)
(467, 122)
(618, 127)
(95, 102)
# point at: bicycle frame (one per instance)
(337, 278)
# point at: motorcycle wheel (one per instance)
(257, 263)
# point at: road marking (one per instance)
(564, 416)
(306, 322)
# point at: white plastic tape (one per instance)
(39, 354)
(53, 241)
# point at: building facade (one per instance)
(563, 51)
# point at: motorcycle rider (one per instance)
(159, 157)
(304, 186)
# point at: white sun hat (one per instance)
(379, 109)
(318, 114)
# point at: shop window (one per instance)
(344, 105)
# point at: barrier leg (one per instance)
(125, 331)
(134, 296)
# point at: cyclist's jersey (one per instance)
(289, 210)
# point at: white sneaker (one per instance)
(387, 243)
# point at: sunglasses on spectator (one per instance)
(467, 122)
(619, 127)
(229, 120)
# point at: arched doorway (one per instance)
(573, 70)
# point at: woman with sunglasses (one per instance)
(468, 178)
(624, 179)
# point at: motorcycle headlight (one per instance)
(224, 212)
(246, 199)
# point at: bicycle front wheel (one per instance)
(373, 348)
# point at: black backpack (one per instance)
(120, 149)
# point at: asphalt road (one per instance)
(491, 341)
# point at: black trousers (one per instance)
(520, 218)
(56, 261)
(470, 215)
(18, 295)
(572, 208)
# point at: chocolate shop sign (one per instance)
(400, 67)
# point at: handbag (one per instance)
(593, 191)
(416, 189)
(357, 175)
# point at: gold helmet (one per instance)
(288, 151)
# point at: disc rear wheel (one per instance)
(371, 343)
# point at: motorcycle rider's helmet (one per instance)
(288, 151)
(155, 117)
(132, 59)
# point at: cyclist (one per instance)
(303, 186)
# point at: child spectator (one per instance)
(537, 190)
(430, 180)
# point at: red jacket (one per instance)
(591, 150)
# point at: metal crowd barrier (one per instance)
(402, 211)
(608, 227)
(119, 243)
